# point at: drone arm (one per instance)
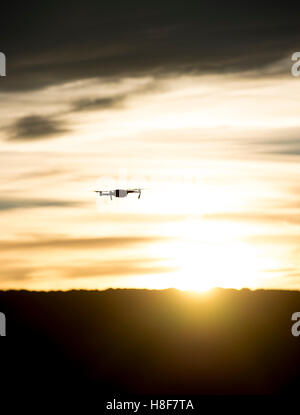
(139, 191)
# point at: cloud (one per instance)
(116, 268)
(254, 217)
(16, 273)
(74, 268)
(281, 270)
(91, 104)
(141, 218)
(292, 151)
(39, 127)
(117, 101)
(279, 141)
(295, 275)
(16, 203)
(37, 174)
(79, 243)
(35, 127)
(44, 46)
(284, 239)
(285, 146)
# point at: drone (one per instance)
(118, 192)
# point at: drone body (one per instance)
(118, 192)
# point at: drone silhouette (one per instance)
(118, 192)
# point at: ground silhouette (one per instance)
(159, 342)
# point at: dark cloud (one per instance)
(279, 141)
(38, 127)
(292, 151)
(284, 146)
(35, 127)
(115, 101)
(19, 203)
(92, 104)
(65, 41)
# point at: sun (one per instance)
(204, 266)
(205, 256)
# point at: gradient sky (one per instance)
(196, 103)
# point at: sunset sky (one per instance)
(197, 107)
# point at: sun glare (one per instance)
(202, 267)
(205, 256)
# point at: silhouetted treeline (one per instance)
(140, 341)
